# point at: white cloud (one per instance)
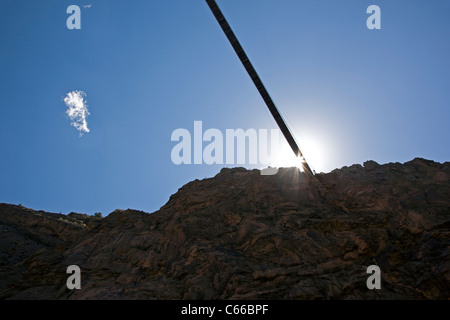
(87, 6)
(77, 110)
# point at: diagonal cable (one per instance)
(258, 83)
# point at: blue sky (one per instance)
(148, 67)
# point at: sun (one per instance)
(285, 157)
(312, 151)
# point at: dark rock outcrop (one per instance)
(241, 235)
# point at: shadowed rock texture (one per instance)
(241, 235)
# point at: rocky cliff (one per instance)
(241, 235)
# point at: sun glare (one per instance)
(311, 149)
(286, 158)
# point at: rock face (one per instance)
(242, 235)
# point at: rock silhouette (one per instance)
(242, 235)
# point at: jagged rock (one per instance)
(242, 235)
